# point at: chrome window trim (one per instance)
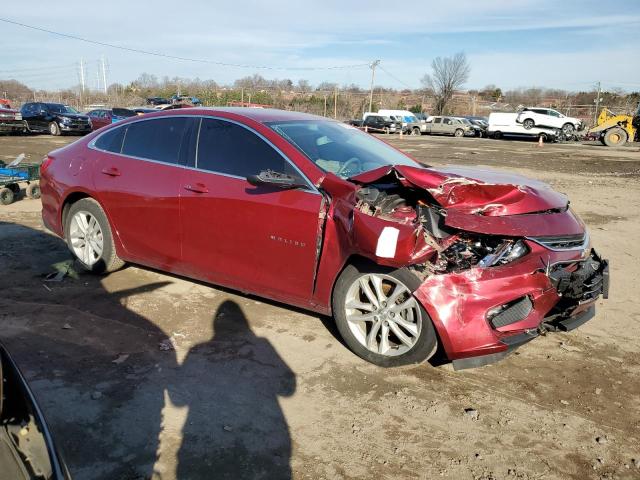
(91, 145)
(584, 245)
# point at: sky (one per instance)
(557, 44)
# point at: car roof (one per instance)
(261, 115)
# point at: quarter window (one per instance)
(158, 139)
(111, 140)
(224, 147)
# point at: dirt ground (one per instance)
(255, 389)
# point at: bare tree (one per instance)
(449, 74)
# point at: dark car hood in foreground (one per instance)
(487, 201)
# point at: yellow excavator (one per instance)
(616, 130)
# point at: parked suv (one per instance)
(54, 118)
(449, 126)
(547, 117)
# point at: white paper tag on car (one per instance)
(387, 242)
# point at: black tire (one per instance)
(33, 190)
(386, 130)
(427, 342)
(458, 133)
(6, 196)
(528, 123)
(615, 137)
(415, 131)
(109, 260)
(497, 135)
(54, 129)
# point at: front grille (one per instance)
(563, 242)
(519, 310)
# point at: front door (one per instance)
(136, 181)
(257, 239)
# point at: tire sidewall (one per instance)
(427, 341)
(6, 196)
(54, 129)
(108, 251)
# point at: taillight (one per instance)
(45, 163)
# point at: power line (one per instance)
(396, 78)
(175, 57)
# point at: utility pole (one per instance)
(335, 102)
(373, 74)
(82, 74)
(595, 114)
(104, 76)
(325, 104)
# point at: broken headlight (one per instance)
(507, 252)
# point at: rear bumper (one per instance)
(12, 126)
(483, 314)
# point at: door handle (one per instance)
(111, 171)
(197, 188)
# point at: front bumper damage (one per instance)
(446, 225)
(560, 297)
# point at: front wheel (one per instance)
(528, 124)
(89, 237)
(415, 131)
(568, 129)
(33, 191)
(6, 196)
(380, 319)
(459, 133)
(54, 129)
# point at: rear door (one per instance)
(258, 239)
(437, 126)
(136, 177)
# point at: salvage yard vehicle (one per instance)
(547, 117)
(54, 118)
(506, 125)
(10, 119)
(27, 448)
(106, 116)
(449, 126)
(410, 123)
(317, 214)
(615, 130)
(377, 124)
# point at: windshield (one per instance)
(465, 121)
(59, 108)
(339, 148)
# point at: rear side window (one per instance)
(158, 139)
(111, 140)
(225, 147)
(437, 120)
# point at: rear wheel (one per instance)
(386, 130)
(528, 123)
(380, 319)
(615, 137)
(497, 135)
(89, 237)
(33, 190)
(6, 196)
(54, 129)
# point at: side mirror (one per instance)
(275, 179)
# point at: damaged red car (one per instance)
(317, 214)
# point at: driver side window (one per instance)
(228, 148)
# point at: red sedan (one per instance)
(317, 214)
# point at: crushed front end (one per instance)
(501, 258)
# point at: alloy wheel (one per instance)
(86, 237)
(383, 315)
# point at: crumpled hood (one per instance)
(476, 191)
(488, 201)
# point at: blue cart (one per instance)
(12, 177)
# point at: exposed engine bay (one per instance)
(452, 250)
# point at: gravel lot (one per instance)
(147, 375)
